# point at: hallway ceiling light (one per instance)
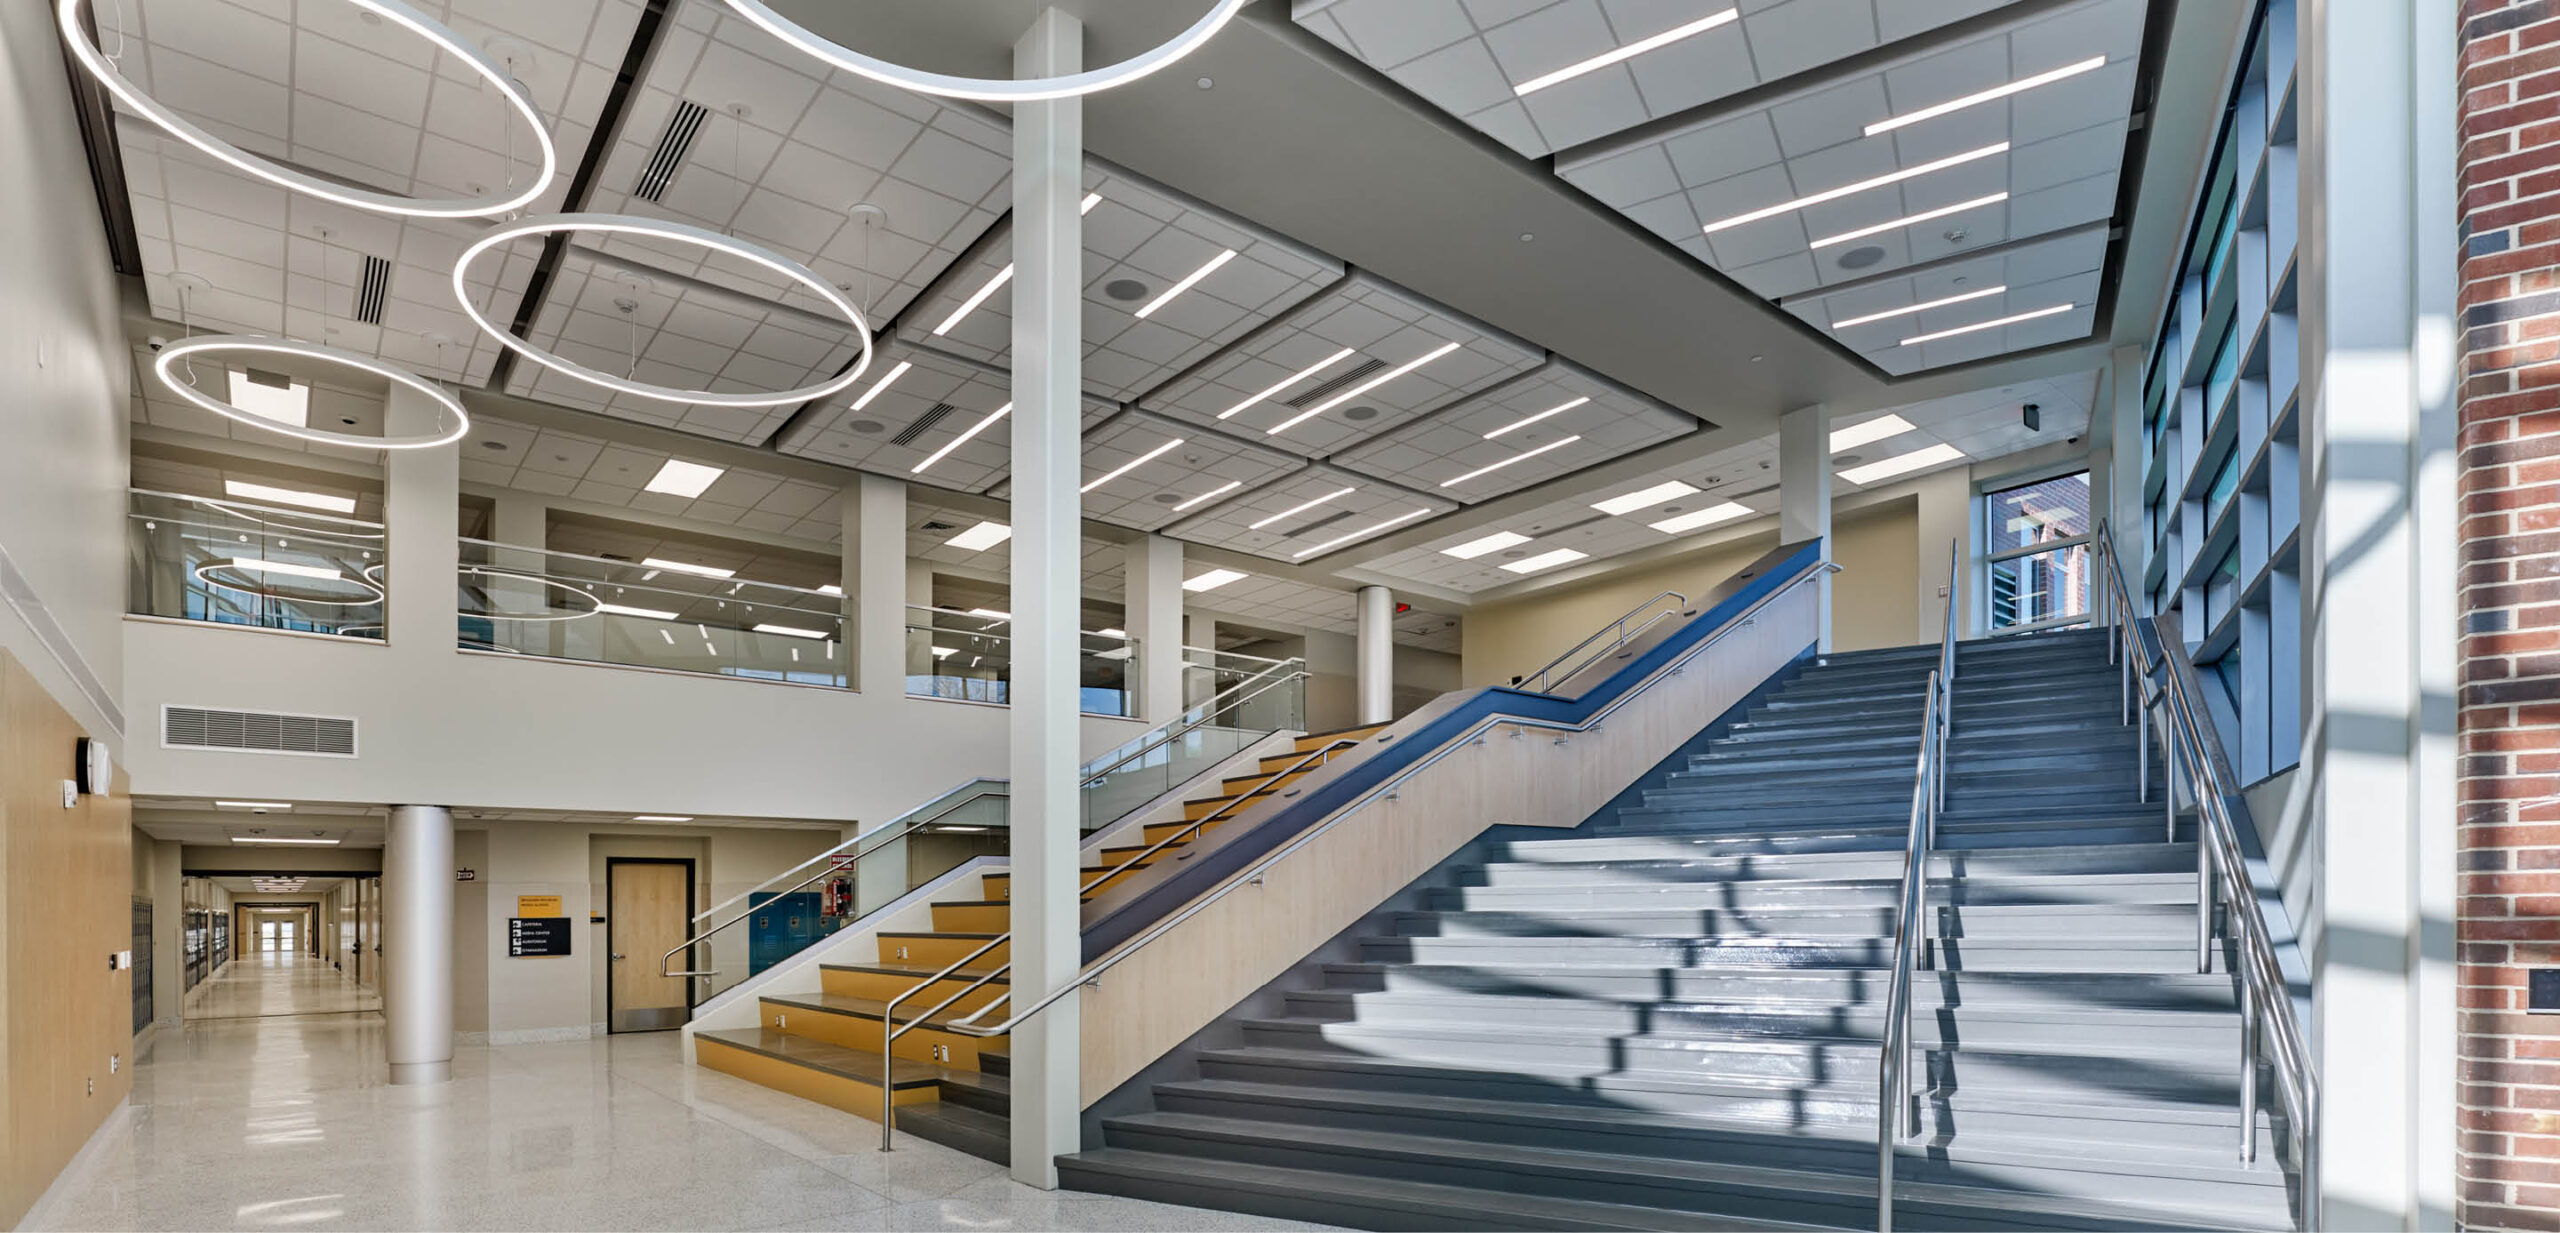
(285, 403)
(1877, 429)
(1340, 540)
(273, 839)
(945, 652)
(1908, 219)
(164, 366)
(626, 610)
(706, 571)
(263, 806)
(684, 479)
(1219, 491)
(1522, 456)
(792, 631)
(1495, 542)
(662, 817)
(650, 229)
(1303, 506)
(1834, 194)
(1544, 560)
(288, 496)
(1213, 579)
(68, 16)
(1290, 380)
(1362, 388)
(1628, 52)
(1134, 463)
(896, 371)
(956, 442)
(1669, 490)
(1894, 466)
(1189, 281)
(1696, 519)
(1919, 308)
(1517, 425)
(1996, 92)
(981, 537)
(994, 285)
(1993, 324)
(988, 89)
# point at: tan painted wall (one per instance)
(1875, 597)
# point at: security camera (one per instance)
(2030, 414)
(155, 342)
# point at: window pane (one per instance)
(2043, 587)
(2040, 513)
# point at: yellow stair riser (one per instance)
(837, 1091)
(1193, 811)
(1266, 782)
(959, 1052)
(882, 986)
(1159, 831)
(972, 918)
(918, 951)
(1000, 886)
(1310, 744)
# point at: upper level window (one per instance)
(2036, 542)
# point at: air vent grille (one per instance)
(1319, 524)
(188, 727)
(370, 292)
(1749, 492)
(933, 415)
(1326, 389)
(682, 127)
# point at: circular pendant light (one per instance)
(252, 344)
(594, 604)
(681, 233)
(85, 50)
(373, 593)
(987, 89)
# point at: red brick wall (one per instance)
(2509, 913)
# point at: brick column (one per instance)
(2508, 920)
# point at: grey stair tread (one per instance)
(909, 969)
(820, 1055)
(987, 1136)
(1708, 1039)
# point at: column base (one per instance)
(403, 1073)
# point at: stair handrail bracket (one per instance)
(1896, 1119)
(2161, 690)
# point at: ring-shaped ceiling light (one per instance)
(594, 604)
(258, 345)
(374, 594)
(626, 224)
(988, 89)
(269, 518)
(85, 50)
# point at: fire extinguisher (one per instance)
(839, 897)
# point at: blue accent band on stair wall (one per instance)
(1425, 731)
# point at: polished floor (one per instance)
(285, 1122)
(263, 983)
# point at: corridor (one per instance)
(264, 983)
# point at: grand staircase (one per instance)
(1670, 1019)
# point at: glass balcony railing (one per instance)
(559, 605)
(968, 657)
(243, 563)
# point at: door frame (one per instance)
(613, 1014)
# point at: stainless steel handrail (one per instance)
(1896, 1119)
(1547, 682)
(2164, 687)
(1253, 875)
(706, 580)
(1260, 683)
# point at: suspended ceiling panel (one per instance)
(1333, 509)
(904, 417)
(1547, 423)
(625, 542)
(930, 528)
(1368, 330)
(1470, 57)
(1146, 498)
(1140, 241)
(503, 454)
(2032, 276)
(340, 407)
(1284, 602)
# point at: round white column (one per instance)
(1377, 671)
(417, 943)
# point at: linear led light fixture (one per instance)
(1517, 425)
(1285, 382)
(1920, 308)
(256, 565)
(1213, 579)
(991, 614)
(1695, 519)
(1992, 324)
(662, 817)
(1522, 456)
(895, 372)
(1628, 52)
(981, 537)
(1340, 540)
(1899, 464)
(963, 439)
(1219, 491)
(625, 610)
(704, 571)
(288, 496)
(1188, 282)
(1544, 560)
(1495, 542)
(1907, 220)
(1834, 194)
(683, 479)
(1362, 388)
(1134, 463)
(1303, 506)
(997, 283)
(1996, 92)
(792, 631)
(1670, 490)
(311, 843)
(1877, 429)
(283, 805)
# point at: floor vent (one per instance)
(933, 415)
(190, 727)
(370, 292)
(682, 127)
(1327, 389)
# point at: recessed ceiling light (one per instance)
(1628, 52)
(662, 817)
(981, 537)
(1362, 533)
(991, 614)
(793, 631)
(1710, 516)
(1992, 324)
(271, 397)
(288, 496)
(945, 652)
(1362, 388)
(1908, 219)
(1920, 308)
(963, 439)
(257, 565)
(1302, 507)
(1912, 461)
(1834, 194)
(1134, 463)
(271, 806)
(706, 571)
(1290, 380)
(1517, 425)
(1647, 498)
(1495, 542)
(895, 372)
(1189, 281)
(1985, 96)
(625, 610)
(995, 284)
(1557, 444)
(1213, 579)
(1877, 429)
(683, 479)
(313, 843)
(1219, 491)
(1544, 560)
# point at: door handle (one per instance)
(617, 958)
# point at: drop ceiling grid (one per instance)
(2064, 269)
(1259, 597)
(1144, 499)
(1229, 523)
(1467, 56)
(632, 544)
(1146, 235)
(194, 479)
(1427, 455)
(835, 432)
(549, 462)
(1100, 565)
(152, 403)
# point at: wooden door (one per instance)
(649, 904)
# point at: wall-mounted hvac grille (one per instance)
(191, 727)
(1326, 389)
(682, 127)
(369, 293)
(932, 416)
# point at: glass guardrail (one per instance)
(244, 563)
(560, 605)
(968, 657)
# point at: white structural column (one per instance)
(2378, 237)
(1377, 675)
(1048, 362)
(1804, 494)
(521, 521)
(417, 943)
(875, 584)
(1151, 599)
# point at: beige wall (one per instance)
(1875, 598)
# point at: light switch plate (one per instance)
(71, 794)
